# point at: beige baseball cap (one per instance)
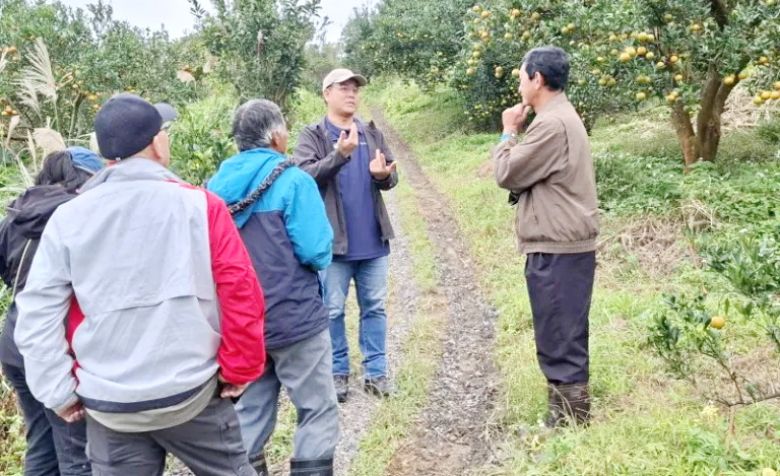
(340, 75)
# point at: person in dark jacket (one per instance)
(53, 446)
(352, 165)
(282, 221)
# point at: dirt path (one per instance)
(358, 411)
(454, 432)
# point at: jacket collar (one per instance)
(370, 133)
(323, 126)
(130, 170)
(553, 103)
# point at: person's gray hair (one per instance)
(255, 122)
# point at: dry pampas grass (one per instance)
(38, 78)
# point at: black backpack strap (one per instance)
(24, 263)
(253, 197)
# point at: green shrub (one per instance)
(201, 139)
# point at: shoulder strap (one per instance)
(20, 269)
(253, 197)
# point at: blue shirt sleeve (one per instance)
(307, 224)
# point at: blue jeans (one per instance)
(53, 446)
(371, 286)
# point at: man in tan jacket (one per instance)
(549, 173)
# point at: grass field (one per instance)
(645, 422)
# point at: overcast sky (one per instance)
(175, 14)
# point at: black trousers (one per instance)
(54, 447)
(560, 287)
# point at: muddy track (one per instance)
(454, 434)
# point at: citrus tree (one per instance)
(413, 39)
(690, 54)
(62, 63)
(259, 45)
(698, 336)
(498, 35)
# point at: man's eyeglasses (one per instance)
(348, 88)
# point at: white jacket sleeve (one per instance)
(40, 328)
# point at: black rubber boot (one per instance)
(311, 467)
(568, 403)
(555, 415)
(259, 465)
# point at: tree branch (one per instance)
(720, 12)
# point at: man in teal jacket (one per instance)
(282, 220)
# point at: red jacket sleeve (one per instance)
(73, 321)
(241, 354)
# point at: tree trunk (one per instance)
(713, 102)
(689, 143)
(703, 142)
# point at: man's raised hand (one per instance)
(379, 168)
(514, 118)
(347, 143)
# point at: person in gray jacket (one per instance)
(352, 165)
(172, 310)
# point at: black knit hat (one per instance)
(126, 125)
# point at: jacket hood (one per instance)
(241, 174)
(31, 211)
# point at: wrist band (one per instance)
(506, 136)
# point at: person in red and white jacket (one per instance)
(173, 311)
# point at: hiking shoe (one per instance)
(378, 386)
(342, 387)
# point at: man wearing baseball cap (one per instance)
(173, 311)
(352, 165)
